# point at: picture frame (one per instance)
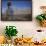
(16, 10)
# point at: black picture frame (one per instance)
(20, 17)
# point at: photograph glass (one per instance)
(16, 10)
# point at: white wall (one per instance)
(26, 28)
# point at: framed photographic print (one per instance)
(16, 10)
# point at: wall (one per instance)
(26, 28)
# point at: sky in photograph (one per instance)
(17, 4)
